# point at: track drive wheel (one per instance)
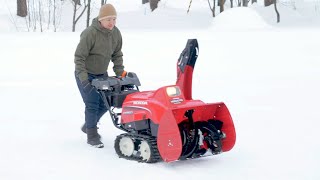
(148, 150)
(145, 151)
(124, 146)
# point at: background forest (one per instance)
(75, 15)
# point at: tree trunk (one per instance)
(153, 4)
(221, 5)
(54, 16)
(74, 18)
(213, 8)
(40, 16)
(254, 1)
(77, 2)
(49, 15)
(245, 3)
(22, 9)
(275, 8)
(189, 6)
(268, 2)
(88, 13)
(231, 3)
(103, 2)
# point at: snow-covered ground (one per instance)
(268, 76)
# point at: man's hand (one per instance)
(124, 74)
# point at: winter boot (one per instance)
(84, 129)
(94, 137)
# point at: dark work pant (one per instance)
(94, 106)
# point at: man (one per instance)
(99, 43)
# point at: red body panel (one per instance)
(184, 81)
(169, 140)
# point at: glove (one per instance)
(87, 87)
(124, 74)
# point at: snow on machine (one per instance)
(166, 124)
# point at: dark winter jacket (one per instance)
(96, 48)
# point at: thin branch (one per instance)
(81, 14)
(11, 17)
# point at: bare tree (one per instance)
(33, 15)
(13, 19)
(75, 9)
(189, 6)
(153, 4)
(88, 12)
(103, 2)
(57, 11)
(22, 9)
(28, 22)
(40, 15)
(221, 5)
(54, 15)
(274, 2)
(49, 13)
(276, 9)
(213, 7)
(245, 3)
(268, 2)
(77, 2)
(239, 3)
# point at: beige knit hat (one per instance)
(107, 10)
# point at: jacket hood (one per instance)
(96, 24)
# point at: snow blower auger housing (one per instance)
(166, 124)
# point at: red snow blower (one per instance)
(166, 124)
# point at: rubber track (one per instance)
(152, 141)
